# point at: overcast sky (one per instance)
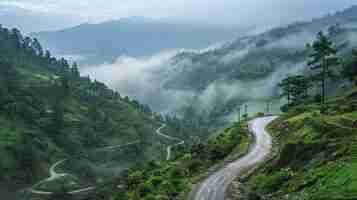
(210, 11)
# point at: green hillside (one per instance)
(315, 138)
(257, 57)
(175, 179)
(62, 132)
(249, 69)
(317, 154)
(49, 112)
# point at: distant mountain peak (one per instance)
(130, 20)
(136, 19)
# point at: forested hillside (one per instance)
(315, 137)
(248, 70)
(49, 112)
(256, 57)
(65, 136)
(176, 178)
(316, 154)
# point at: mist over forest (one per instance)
(244, 71)
(176, 100)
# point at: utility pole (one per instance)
(268, 107)
(239, 113)
(246, 111)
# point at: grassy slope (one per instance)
(318, 154)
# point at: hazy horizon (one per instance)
(65, 13)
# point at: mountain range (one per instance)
(13, 17)
(134, 36)
(212, 84)
(251, 67)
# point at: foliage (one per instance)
(322, 59)
(171, 180)
(295, 89)
(60, 113)
(350, 67)
(317, 157)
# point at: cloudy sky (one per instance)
(213, 11)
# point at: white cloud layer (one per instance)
(142, 79)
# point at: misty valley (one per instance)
(177, 107)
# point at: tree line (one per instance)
(325, 64)
(57, 110)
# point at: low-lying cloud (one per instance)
(144, 79)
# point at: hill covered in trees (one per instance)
(49, 112)
(315, 137)
(210, 87)
(314, 153)
(249, 69)
(256, 57)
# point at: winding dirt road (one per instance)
(109, 148)
(215, 186)
(169, 148)
(54, 175)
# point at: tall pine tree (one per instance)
(74, 70)
(350, 67)
(321, 60)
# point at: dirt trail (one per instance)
(169, 148)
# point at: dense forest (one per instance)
(248, 69)
(95, 144)
(314, 138)
(48, 112)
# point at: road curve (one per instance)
(117, 146)
(215, 186)
(169, 148)
(54, 175)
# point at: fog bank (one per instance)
(144, 78)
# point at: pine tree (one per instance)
(286, 88)
(295, 89)
(64, 67)
(37, 48)
(74, 70)
(48, 55)
(17, 37)
(350, 67)
(321, 60)
(300, 86)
